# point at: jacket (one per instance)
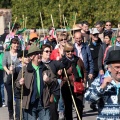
(69, 70)
(29, 73)
(101, 56)
(87, 58)
(94, 52)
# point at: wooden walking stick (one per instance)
(72, 94)
(14, 23)
(25, 22)
(52, 21)
(60, 15)
(42, 24)
(13, 92)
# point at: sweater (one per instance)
(108, 100)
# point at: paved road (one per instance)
(88, 113)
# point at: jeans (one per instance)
(10, 98)
(2, 99)
(60, 104)
(36, 112)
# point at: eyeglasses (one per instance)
(108, 25)
(116, 68)
(47, 51)
(70, 51)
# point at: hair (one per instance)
(15, 39)
(108, 21)
(62, 35)
(45, 46)
(15, 27)
(107, 35)
(101, 23)
(85, 22)
(68, 47)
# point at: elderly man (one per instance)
(37, 87)
(83, 51)
(107, 91)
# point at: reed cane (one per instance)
(13, 93)
(25, 22)
(72, 94)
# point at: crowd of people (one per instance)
(45, 77)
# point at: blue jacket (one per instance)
(87, 58)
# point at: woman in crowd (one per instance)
(10, 61)
(76, 72)
(57, 55)
(55, 68)
(102, 53)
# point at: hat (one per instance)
(94, 31)
(33, 49)
(75, 27)
(33, 35)
(113, 56)
(20, 53)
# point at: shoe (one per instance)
(61, 116)
(11, 117)
(93, 107)
(4, 105)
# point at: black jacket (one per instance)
(101, 56)
(94, 52)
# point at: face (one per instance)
(95, 37)
(26, 60)
(78, 38)
(69, 54)
(63, 42)
(15, 45)
(107, 40)
(36, 57)
(108, 26)
(99, 28)
(85, 27)
(46, 53)
(118, 39)
(115, 71)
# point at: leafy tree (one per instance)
(88, 10)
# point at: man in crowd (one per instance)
(37, 87)
(107, 91)
(85, 32)
(100, 27)
(82, 50)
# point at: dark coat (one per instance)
(101, 56)
(29, 74)
(94, 52)
(69, 69)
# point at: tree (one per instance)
(88, 10)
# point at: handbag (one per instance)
(78, 87)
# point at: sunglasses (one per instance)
(63, 39)
(108, 25)
(47, 51)
(69, 51)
